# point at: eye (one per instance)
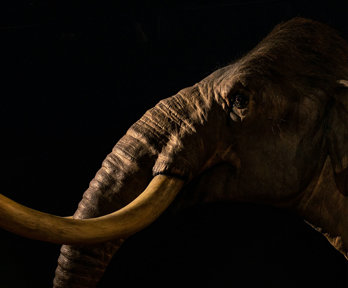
(240, 101)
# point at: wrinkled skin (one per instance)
(286, 146)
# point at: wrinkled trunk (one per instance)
(84, 266)
(145, 150)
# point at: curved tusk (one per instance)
(138, 214)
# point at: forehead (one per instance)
(301, 58)
(234, 79)
(266, 83)
(231, 78)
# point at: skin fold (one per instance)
(270, 128)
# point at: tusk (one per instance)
(138, 214)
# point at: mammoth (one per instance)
(270, 128)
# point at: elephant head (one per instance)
(271, 128)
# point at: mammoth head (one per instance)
(278, 118)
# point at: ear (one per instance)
(338, 128)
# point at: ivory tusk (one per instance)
(138, 214)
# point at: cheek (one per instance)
(342, 182)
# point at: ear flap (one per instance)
(338, 128)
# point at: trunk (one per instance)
(84, 266)
(145, 150)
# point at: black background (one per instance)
(77, 74)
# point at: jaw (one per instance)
(328, 214)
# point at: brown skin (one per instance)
(342, 181)
(277, 119)
(277, 151)
(276, 147)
